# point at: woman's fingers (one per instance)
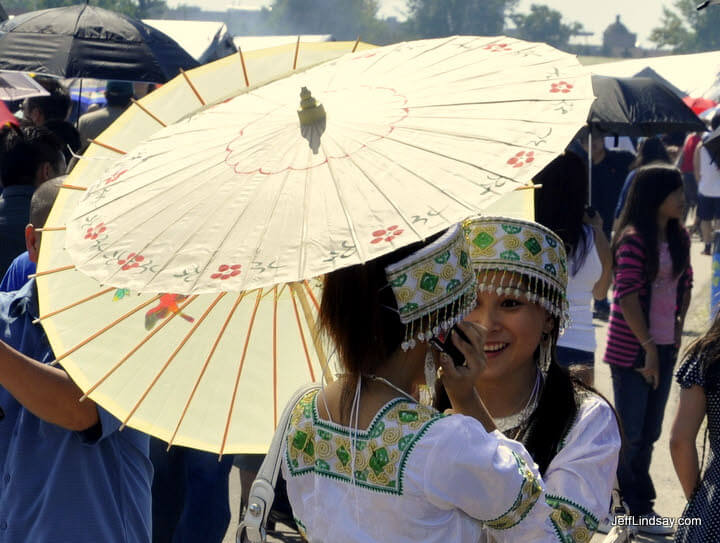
(473, 351)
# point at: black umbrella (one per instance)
(712, 144)
(87, 41)
(639, 106)
(652, 74)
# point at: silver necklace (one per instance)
(388, 383)
(520, 418)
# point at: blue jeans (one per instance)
(641, 410)
(190, 495)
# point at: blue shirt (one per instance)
(14, 217)
(59, 486)
(17, 274)
(621, 199)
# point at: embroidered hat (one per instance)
(534, 252)
(434, 288)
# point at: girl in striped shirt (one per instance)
(653, 278)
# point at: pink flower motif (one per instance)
(114, 177)
(94, 231)
(561, 86)
(226, 271)
(132, 260)
(497, 47)
(386, 234)
(521, 159)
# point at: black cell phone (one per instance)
(448, 347)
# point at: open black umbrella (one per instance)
(639, 106)
(647, 71)
(712, 144)
(87, 41)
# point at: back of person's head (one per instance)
(560, 203)
(650, 150)
(55, 106)
(43, 199)
(715, 121)
(707, 346)
(67, 134)
(652, 185)
(118, 93)
(25, 151)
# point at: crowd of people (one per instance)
(508, 442)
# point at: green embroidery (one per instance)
(551, 269)
(572, 522)
(511, 228)
(443, 258)
(381, 451)
(550, 241)
(399, 280)
(429, 281)
(452, 285)
(533, 246)
(483, 240)
(510, 255)
(464, 259)
(530, 491)
(408, 308)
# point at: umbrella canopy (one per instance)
(18, 85)
(639, 106)
(712, 143)
(417, 136)
(652, 74)
(88, 41)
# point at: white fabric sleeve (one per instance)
(487, 476)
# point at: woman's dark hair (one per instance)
(650, 150)
(652, 184)
(358, 314)
(707, 346)
(560, 204)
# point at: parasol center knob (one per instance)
(311, 111)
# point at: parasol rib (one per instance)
(190, 83)
(244, 69)
(51, 229)
(302, 335)
(205, 365)
(274, 355)
(174, 353)
(150, 113)
(317, 342)
(54, 270)
(105, 329)
(297, 50)
(239, 372)
(355, 46)
(132, 351)
(107, 146)
(73, 187)
(74, 304)
(311, 295)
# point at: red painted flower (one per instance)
(561, 86)
(114, 177)
(386, 234)
(497, 47)
(131, 261)
(94, 231)
(226, 271)
(521, 159)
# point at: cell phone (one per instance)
(448, 347)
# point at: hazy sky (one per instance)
(640, 16)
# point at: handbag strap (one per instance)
(262, 492)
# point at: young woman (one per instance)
(560, 206)
(366, 462)
(653, 279)
(570, 432)
(699, 379)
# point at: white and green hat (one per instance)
(434, 288)
(533, 252)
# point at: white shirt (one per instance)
(419, 476)
(579, 480)
(581, 333)
(709, 182)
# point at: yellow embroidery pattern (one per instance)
(529, 493)
(314, 445)
(572, 522)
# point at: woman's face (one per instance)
(514, 329)
(673, 205)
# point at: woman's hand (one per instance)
(594, 220)
(651, 370)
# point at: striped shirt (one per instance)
(623, 347)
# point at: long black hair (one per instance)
(652, 184)
(650, 150)
(560, 204)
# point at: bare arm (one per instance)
(696, 162)
(47, 392)
(632, 311)
(603, 249)
(689, 417)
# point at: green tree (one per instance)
(545, 25)
(344, 19)
(437, 18)
(135, 8)
(687, 30)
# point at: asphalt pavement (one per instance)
(671, 501)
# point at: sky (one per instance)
(640, 16)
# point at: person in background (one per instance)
(118, 95)
(699, 379)
(609, 170)
(69, 474)
(652, 283)
(687, 167)
(650, 150)
(29, 157)
(560, 206)
(707, 172)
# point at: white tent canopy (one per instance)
(697, 74)
(204, 40)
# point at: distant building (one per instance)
(618, 41)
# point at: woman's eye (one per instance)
(510, 302)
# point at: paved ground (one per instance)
(671, 500)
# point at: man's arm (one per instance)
(47, 392)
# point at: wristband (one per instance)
(649, 340)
